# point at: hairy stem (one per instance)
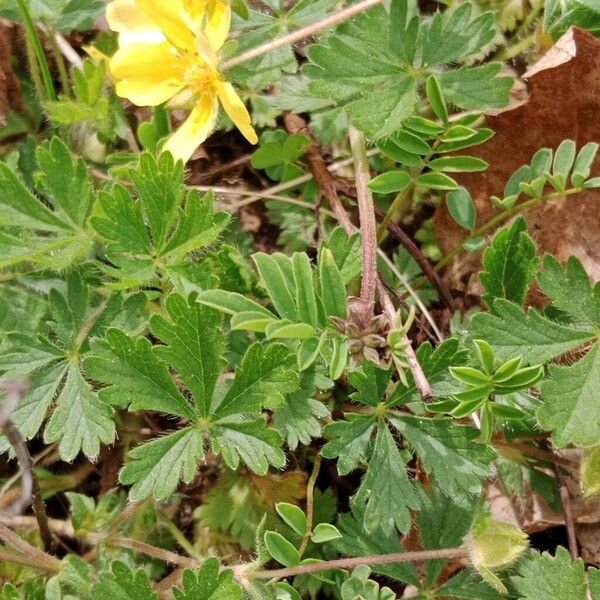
(349, 563)
(310, 504)
(368, 224)
(63, 74)
(500, 218)
(34, 38)
(28, 561)
(296, 36)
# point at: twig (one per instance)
(310, 504)
(368, 225)
(159, 553)
(30, 488)
(28, 561)
(421, 260)
(567, 512)
(12, 539)
(349, 563)
(300, 34)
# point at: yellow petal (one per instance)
(132, 23)
(142, 67)
(197, 127)
(218, 24)
(236, 110)
(173, 20)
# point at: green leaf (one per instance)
(349, 441)
(449, 453)
(571, 407)
(564, 157)
(333, 290)
(208, 583)
(468, 585)
(253, 442)
(390, 182)
(306, 299)
(368, 65)
(292, 515)
(300, 418)
(231, 302)
(278, 287)
(545, 577)
(66, 180)
(356, 542)
(462, 208)
(436, 98)
(281, 550)
(134, 375)
(437, 181)
(193, 346)
(263, 378)
(513, 332)
(583, 163)
(370, 382)
(325, 532)
(80, 420)
(510, 264)
(386, 489)
(123, 584)
(156, 467)
(570, 290)
(458, 164)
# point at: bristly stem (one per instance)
(34, 38)
(310, 504)
(349, 563)
(296, 36)
(368, 224)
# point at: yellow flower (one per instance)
(168, 52)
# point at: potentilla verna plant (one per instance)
(339, 340)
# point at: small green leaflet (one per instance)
(208, 583)
(545, 577)
(571, 407)
(368, 64)
(121, 583)
(513, 332)
(53, 234)
(510, 264)
(226, 417)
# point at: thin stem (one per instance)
(310, 504)
(503, 216)
(63, 74)
(349, 563)
(159, 553)
(565, 498)
(28, 561)
(300, 34)
(393, 209)
(30, 486)
(38, 49)
(368, 224)
(34, 69)
(12, 539)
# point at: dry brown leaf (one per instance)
(564, 103)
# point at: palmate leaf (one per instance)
(449, 453)
(159, 228)
(368, 65)
(571, 407)
(80, 421)
(51, 235)
(226, 418)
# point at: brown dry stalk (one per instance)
(30, 488)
